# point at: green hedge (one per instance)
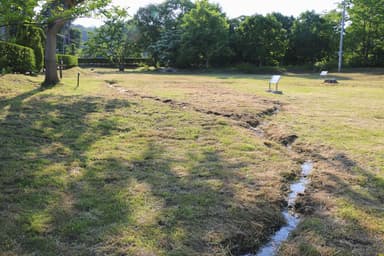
(69, 61)
(16, 58)
(32, 37)
(249, 68)
(103, 62)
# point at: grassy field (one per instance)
(166, 164)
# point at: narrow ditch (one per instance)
(297, 188)
(292, 218)
(248, 121)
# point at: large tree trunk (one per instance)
(51, 76)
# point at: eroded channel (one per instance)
(292, 218)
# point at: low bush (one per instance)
(103, 62)
(325, 64)
(255, 69)
(16, 58)
(69, 61)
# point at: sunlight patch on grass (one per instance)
(369, 219)
(91, 170)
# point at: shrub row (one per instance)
(103, 62)
(255, 69)
(16, 58)
(69, 61)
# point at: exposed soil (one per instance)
(248, 120)
(172, 166)
(238, 243)
(318, 201)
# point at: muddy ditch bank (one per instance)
(246, 120)
(291, 216)
(317, 199)
(255, 124)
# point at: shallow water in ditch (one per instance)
(291, 218)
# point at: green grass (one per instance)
(340, 125)
(86, 171)
(91, 170)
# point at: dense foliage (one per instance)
(159, 28)
(16, 58)
(311, 39)
(204, 35)
(69, 61)
(261, 40)
(32, 37)
(14, 11)
(365, 35)
(114, 40)
(185, 33)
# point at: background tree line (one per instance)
(182, 33)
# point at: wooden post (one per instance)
(61, 68)
(78, 79)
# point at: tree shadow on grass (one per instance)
(356, 175)
(197, 213)
(356, 228)
(17, 100)
(44, 138)
(59, 196)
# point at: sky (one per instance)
(236, 8)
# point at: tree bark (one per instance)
(51, 76)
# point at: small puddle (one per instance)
(291, 217)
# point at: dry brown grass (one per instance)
(158, 164)
(338, 127)
(94, 171)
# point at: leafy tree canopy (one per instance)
(313, 38)
(16, 11)
(114, 40)
(262, 40)
(365, 35)
(205, 31)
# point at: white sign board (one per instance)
(275, 79)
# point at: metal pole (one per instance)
(341, 38)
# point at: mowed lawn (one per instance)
(166, 164)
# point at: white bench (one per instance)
(274, 80)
